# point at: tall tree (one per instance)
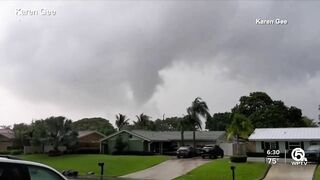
(240, 127)
(39, 133)
(168, 124)
(60, 132)
(197, 110)
(219, 121)
(22, 133)
(143, 122)
(264, 112)
(252, 103)
(97, 124)
(309, 122)
(121, 121)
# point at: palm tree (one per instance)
(197, 110)
(240, 127)
(142, 122)
(121, 121)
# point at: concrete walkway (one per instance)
(290, 172)
(168, 170)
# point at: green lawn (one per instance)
(114, 165)
(220, 169)
(317, 173)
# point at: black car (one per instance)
(185, 151)
(313, 153)
(212, 152)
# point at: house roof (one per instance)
(88, 132)
(173, 135)
(273, 134)
(8, 133)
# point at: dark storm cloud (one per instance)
(93, 55)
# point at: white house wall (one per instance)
(282, 145)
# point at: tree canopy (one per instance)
(60, 132)
(264, 112)
(121, 121)
(219, 121)
(143, 123)
(240, 127)
(100, 124)
(22, 133)
(197, 110)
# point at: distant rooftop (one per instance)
(172, 135)
(263, 134)
(8, 133)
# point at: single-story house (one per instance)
(159, 141)
(89, 141)
(6, 139)
(283, 139)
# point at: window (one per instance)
(12, 171)
(40, 173)
(292, 145)
(314, 143)
(270, 145)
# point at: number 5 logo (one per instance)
(298, 154)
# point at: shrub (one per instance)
(5, 152)
(238, 159)
(120, 145)
(16, 152)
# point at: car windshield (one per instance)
(314, 148)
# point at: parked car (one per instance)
(312, 153)
(212, 152)
(12, 168)
(186, 151)
(198, 151)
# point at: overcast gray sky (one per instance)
(101, 58)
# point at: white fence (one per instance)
(230, 148)
(227, 148)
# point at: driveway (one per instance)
(288, 171)
(169, 169)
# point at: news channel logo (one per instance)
(298, 155)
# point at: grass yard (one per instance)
(220, 170)
(317, 173)
(114, 165)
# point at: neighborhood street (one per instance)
(169, 169)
